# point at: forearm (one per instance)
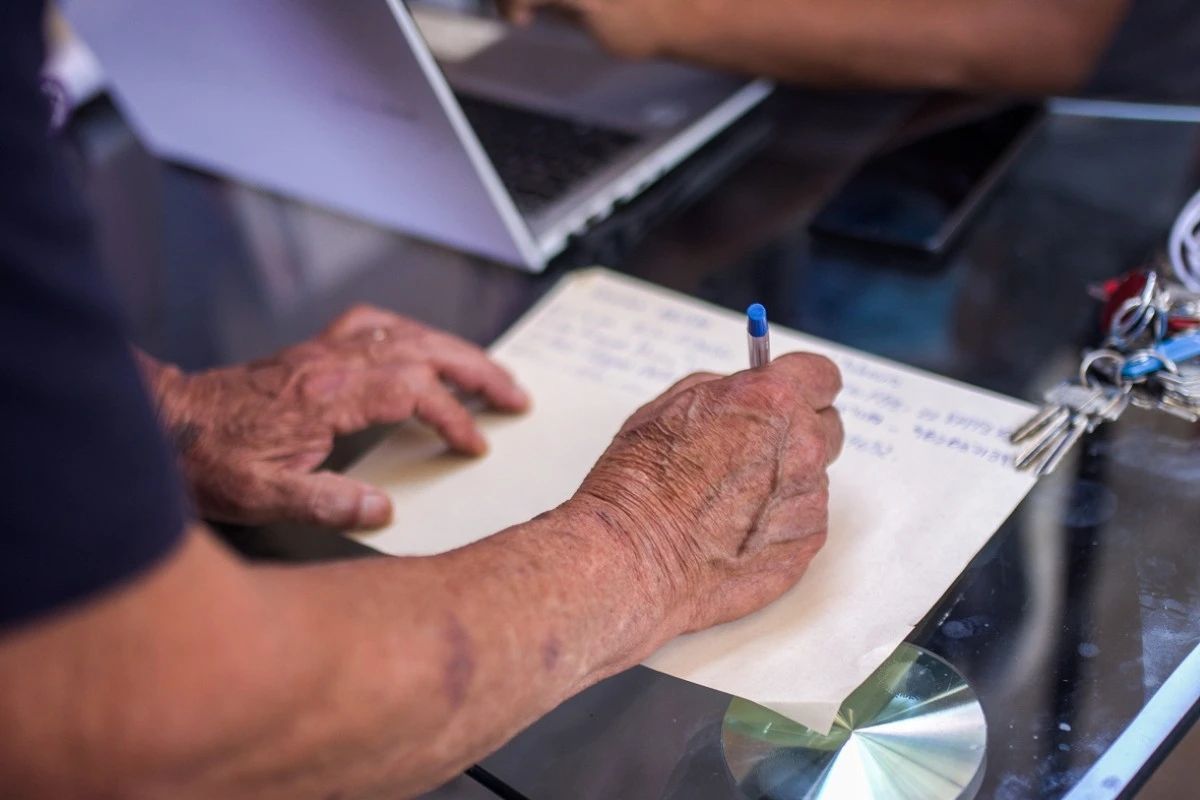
(498, 634)
(385, 675)
(1007, 45)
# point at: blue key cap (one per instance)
(1179, 349)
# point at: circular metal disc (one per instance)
(914, 729)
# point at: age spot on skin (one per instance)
(459, 666)
(551, 649)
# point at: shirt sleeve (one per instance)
(89, 493)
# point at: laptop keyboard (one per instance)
(541, 157)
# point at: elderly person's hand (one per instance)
(249, 437)
(717, 492)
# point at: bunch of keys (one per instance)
(1150, 358)
(1071, 409)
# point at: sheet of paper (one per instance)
(925, 479)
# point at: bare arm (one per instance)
(383, 678)
(215, 679)
(1037, 46)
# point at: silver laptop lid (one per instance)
(337, 102)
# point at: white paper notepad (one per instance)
(926, 477)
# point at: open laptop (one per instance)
(456, 128)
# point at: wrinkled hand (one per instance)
(720, 487)
(627, 28)
(250, 436)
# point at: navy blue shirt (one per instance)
(89, 495)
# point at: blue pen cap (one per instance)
(757, 320)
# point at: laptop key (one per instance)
(541, 157)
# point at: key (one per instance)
(1184, 381)
(1051, 416)
(1072, 410)
(1046, 430)
(1058, 403)
(1174, 390)
(1045, 444)
(1079, 426)
(1114, 402)
(1175, 393)
(1176, 408)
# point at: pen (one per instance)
(758, 336)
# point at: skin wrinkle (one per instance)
(668, 433)
(623, 528)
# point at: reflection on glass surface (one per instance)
(914, 729)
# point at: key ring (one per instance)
(1099, 356)
(1123, 322)
(1137, 314)
(1120, 399)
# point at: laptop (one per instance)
(503, 142)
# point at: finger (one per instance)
(383, 396)
(441, 410)
(328, 500)
(472, 370)
(817, 379)
(834, 432)
(458, 361)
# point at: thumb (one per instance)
(330, 501)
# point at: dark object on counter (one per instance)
(918, 197)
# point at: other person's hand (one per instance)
(250, 436)
(719, 488)
(627, 28)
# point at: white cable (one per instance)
(1185, 245)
